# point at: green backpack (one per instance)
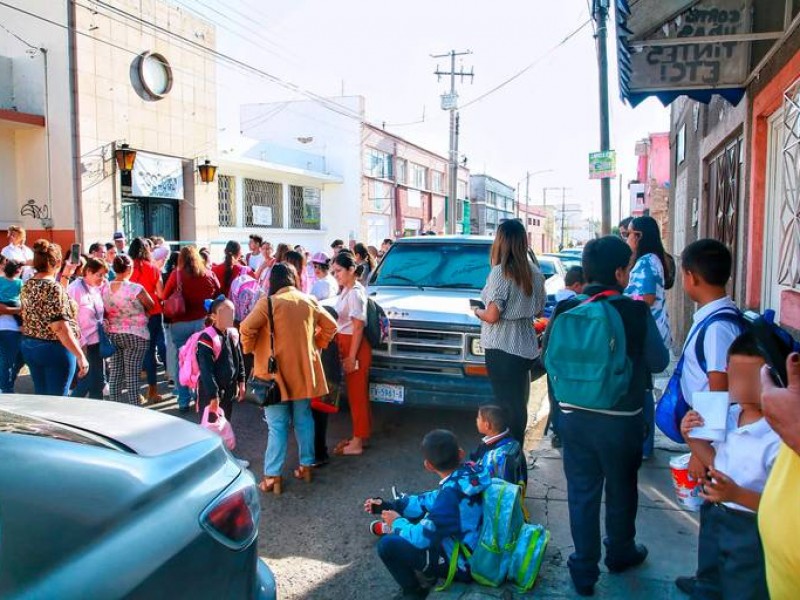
(586, 357)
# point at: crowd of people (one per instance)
(122, 310)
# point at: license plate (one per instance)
(385, 392)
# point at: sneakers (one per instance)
(638, 557)
(378, 528)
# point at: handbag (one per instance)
(265, 392)
(219, 425)
(107, 347)
(175, 306)
(329, 403)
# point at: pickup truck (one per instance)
(432, 356)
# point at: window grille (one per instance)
(789, 256)
(227, 212)
(304, 207)
(263, 204)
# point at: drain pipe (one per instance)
(77, 192)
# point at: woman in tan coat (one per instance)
(302, 328)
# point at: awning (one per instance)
(697, 48)
(20, 120)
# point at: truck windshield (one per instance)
(440, 265)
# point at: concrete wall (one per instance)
(182, 124)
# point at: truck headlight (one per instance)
(475, 347)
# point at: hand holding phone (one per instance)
(475, 303)
(75, 254)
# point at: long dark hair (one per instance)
(139, 250)
(510, 251)
(232, 250)
(347, 260)
(296, 259)
(282, 275)
(362, 252)
(650, 240)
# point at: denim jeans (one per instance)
(52, 366)
(10, 360)
(92, 383)
(278, 417)
(180, 332)
(155, 325)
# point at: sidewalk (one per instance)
(669, 532)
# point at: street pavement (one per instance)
(315, 536)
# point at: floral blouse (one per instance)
(124, 312)
(43, 302)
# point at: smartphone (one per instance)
(377, 507)
(75, 254)
(474, 303)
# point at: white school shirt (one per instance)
(352, 304)
(20, 254)
(747, 454)
(718, 338)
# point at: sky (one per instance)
(546, 121)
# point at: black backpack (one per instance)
(377, 328)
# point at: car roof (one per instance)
(145, 431)
(432, 239)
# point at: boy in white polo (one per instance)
(730, 559)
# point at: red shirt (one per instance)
(236, 270)
(195, 291)
(147, 275)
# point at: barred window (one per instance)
(263, 204)
(304, 207)
(226, 194)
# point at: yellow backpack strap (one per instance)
(453, 567)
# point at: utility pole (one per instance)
(563, 215)
(601, 18)
(620, 197)
(450, 102)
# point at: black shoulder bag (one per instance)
(266, 392)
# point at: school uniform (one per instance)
(730, 558)
(220, 377)
(501, 455)
(719, 336)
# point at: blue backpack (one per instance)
(586, 356)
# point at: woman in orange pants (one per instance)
(354, 349)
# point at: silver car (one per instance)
(103, 500)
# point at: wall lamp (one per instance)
(207, 171)
(125, 157)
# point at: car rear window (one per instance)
(440, 265)
(24, 425)
(548, 267)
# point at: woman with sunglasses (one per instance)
(647, 283)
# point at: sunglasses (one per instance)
(625, 234)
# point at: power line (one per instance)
(527, 68)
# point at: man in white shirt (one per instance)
(119, 242)
(254, 257)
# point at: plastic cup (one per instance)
(686, 489)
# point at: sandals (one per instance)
(271, 485)
(347, 450)
(303, 472)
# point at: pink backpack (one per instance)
(188, 367)
(244, 294)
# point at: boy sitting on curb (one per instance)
(419, 532)
(730, 558)
(499, 453)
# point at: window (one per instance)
(437, 181)
(263, 204)
(304, 207)
(402, 170)
(379, 196)
(462, 189)
(414, 199)
(491, 198)
(378, 164)
(226, 194)
(419, 176)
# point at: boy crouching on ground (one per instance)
(419, 532)
(499, 453)
(730, 558)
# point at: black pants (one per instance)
(730, 558)
(227, 397)
(511, 383)
(601, 450)
(403, 560)
(320, 435)
(92, 383)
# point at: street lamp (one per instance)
(125, 157)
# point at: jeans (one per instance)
(601, 450)
(92, 383)
(10, 360)
(155, 325)
(403, 560)
(51, 365)
(510, 376)
(278, 417)
(179, 333)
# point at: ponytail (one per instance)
(232, 250)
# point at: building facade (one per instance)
(538, 223)
(649, 192)
(491, 203)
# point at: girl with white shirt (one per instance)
(354, 349)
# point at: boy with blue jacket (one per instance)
(499, 452)
(421, 531)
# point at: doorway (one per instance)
(146, 217)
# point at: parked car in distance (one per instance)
(568, 260)
(106, 500)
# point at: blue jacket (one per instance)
(452, 512)
(502, 458)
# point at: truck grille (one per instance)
(426, 344)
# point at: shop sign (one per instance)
(603, 165)
(156, 176)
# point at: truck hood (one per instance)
(431, 305)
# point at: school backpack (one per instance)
(188, 367)
(586, 356)
(377, 327)
(244, 294)
(507, 548)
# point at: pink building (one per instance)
(650, 190)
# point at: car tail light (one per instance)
(232, 518)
